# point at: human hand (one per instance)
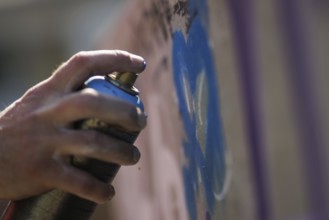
(36, 138)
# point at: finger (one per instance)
(78, 182)
(112, 192)
(81, 66)
(93, 144)
(90, 104)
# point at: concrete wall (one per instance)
(236, 97)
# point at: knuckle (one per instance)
(81, 58)
(121, 53)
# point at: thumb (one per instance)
(71, 75)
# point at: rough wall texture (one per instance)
(235, 93)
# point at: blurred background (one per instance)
(37, 36)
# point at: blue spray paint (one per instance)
(191, 58)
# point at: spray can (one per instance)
(59, 205)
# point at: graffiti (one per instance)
(159, 12)
(181, 8)
(205, 173)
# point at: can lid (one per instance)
(124, 80)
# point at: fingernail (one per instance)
(141, 117)
(137, 60)
(136, 155)
(112, 192)
(144, 65)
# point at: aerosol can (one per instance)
(60, 205)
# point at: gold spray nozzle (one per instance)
(127, 78)
(124, 80)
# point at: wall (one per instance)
(236, 97)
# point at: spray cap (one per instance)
(124, 80)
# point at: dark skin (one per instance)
(36, 137)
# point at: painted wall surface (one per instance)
(235, 93)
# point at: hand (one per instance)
(36, 138)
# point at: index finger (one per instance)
(90, 104)
(71, 75)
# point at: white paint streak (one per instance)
(219, 196)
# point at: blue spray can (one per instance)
(120, 85)
(60, 205)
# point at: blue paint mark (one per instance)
(191, 58)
